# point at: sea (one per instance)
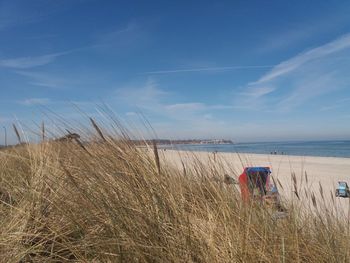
(301, 148)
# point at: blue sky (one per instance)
(241, 70)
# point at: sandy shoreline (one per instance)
(324, 171)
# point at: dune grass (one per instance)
(110, 201)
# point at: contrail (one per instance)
(207, 69)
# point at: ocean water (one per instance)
(305, 148)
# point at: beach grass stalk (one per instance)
(112, 201)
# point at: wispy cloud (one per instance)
(194, 106)
(117, 34)
(295, 81)
(307, 88)
(329, 108)
(286, 39)
(122, 39)
(44, 79)
(131, 113)
(207, 69)
(153, 100)
(29, 62)
(144, 96)
(35, 101)
(257, 92)
(305, 57)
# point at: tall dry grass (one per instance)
(110, 201)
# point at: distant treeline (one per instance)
(190, 141)
(144, 142)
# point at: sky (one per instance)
(240, 70)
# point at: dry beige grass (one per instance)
(111, 202)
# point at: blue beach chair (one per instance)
(342, 190)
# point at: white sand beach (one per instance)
(324, 171)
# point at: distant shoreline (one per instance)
(254, 154)
(335, 149)
(164, 142)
